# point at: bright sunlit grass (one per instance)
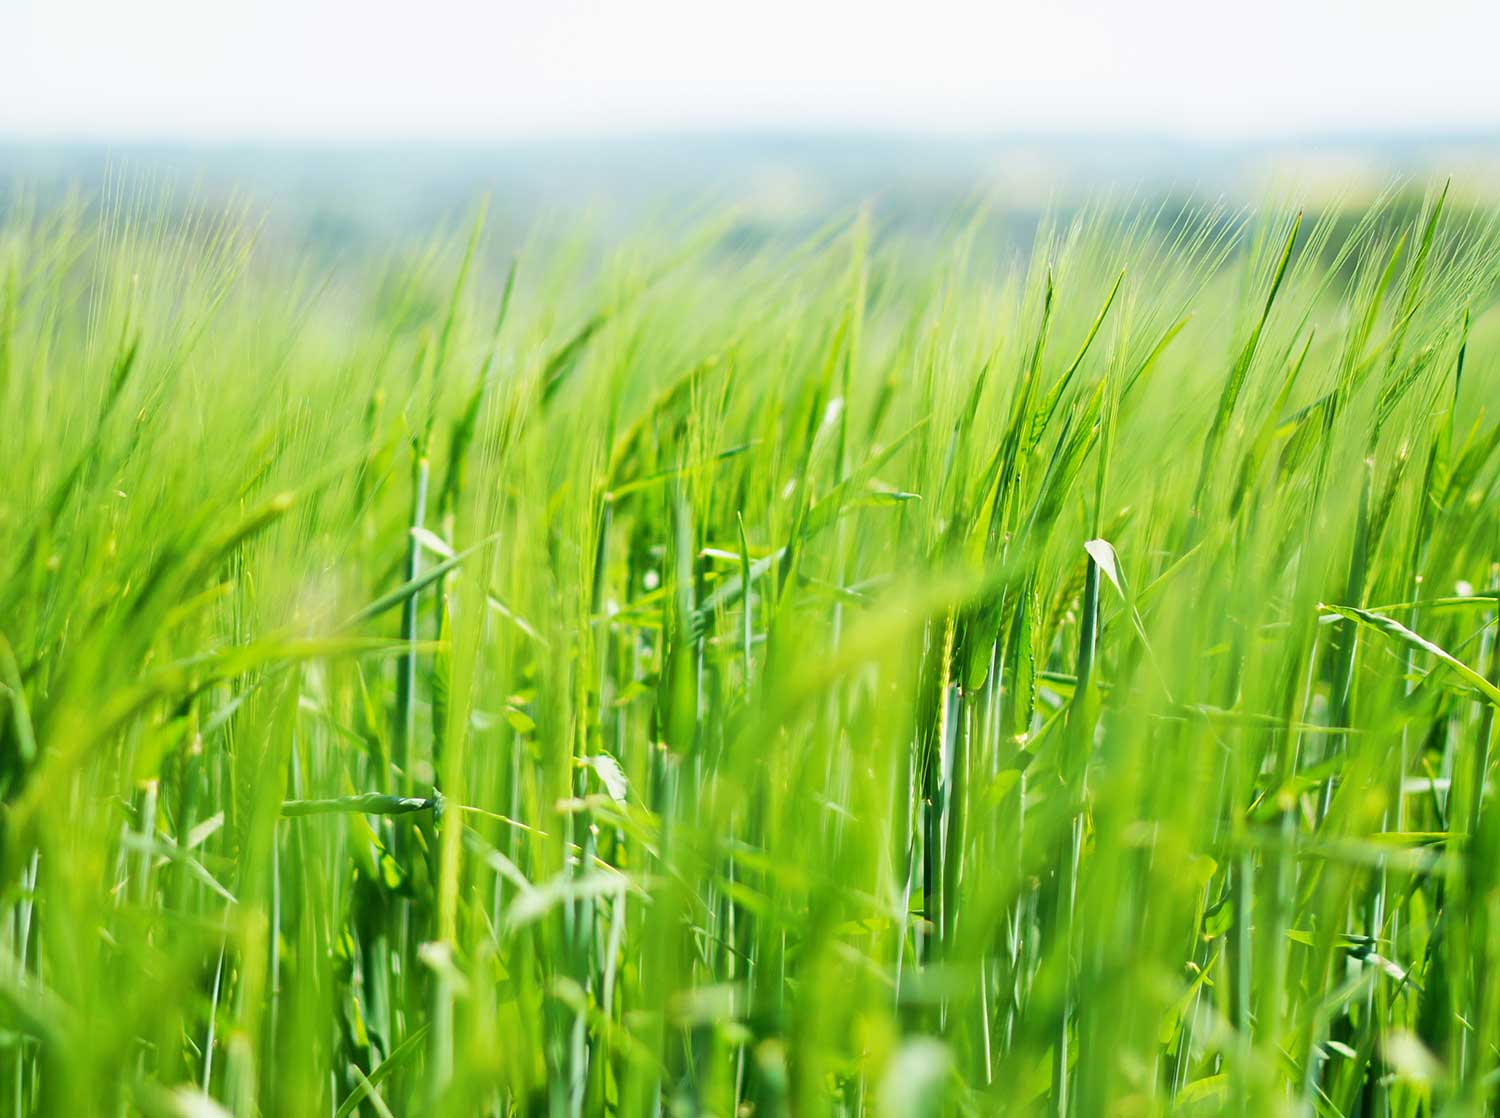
(847, 678)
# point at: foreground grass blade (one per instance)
(1476, 682)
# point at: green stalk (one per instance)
(1079, 738)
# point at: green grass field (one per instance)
(675, 679)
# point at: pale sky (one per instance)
(227, 69)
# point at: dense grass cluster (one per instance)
(841, 679)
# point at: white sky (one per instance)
(457, 68)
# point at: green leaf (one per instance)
(1481, 687)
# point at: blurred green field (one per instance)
(700, 675)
